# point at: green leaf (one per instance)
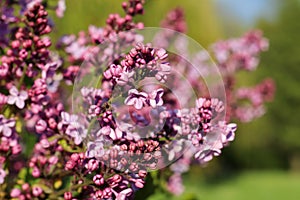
(45, 188)
(54, 137)
(69, 148)
(23, 174)
(65, 145)
(159, 196)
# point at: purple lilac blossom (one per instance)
(17, 97)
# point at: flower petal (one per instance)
(23, 95)
(7, 131)
(138, 104)
(20, 103)
(129, 101)
(11, 100)
(13, 91)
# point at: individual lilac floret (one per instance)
(136, 99)
(17, 98)
(16, 192)
(98, 179)
(37, 191)
(73, 128)
(49, 69)
(175, 20)
(113, 71)
(163, 71)
(175, 185)
(3, 69)
(220, 136)
(61, 8)
(6, 126)
(3, 99)
(140, 99)
(77, 50)
(96, 33)
(125, 78)
(113, 134)
(175, 148)
(155, 98)
(95, 149)
(124, 194)
(2, 176)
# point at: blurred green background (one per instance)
(264, 161)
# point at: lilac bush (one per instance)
(123, 128)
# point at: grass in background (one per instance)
(258, 185)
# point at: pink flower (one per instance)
(139, 183)
(37, 191)
(95, 149)
(98, 179)
(70, 165)
(95, 33)
(76, 50)
(3, 69)
(161, 54)
(31, 3)
(136, 99)
(2, 176)
(49, 69)
(116, 134)
(53, 160)
(6, 126)
(61, 8)
(125, 78)
(107, 193)
(114, 71)
(163, 71)
(40, 126)
(36, 172)
(230, 131)
(74, 129)
(68, 195)
(175, 184)
(3, 99)
(16, 192)
(92, 165)
(124, 194)
(155, 98)
(17, 97)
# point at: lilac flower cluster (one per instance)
(121, 146)
(125, 126)
(118, 186)
(231, 56)
(175, 20)
(29, 107)
(237, 55)
(256, 96)
(241, 53)
(9, 8)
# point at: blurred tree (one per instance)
(202, 21)
(273, 141)
(283, 62)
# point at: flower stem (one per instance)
(55, 196)
(22, 78)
